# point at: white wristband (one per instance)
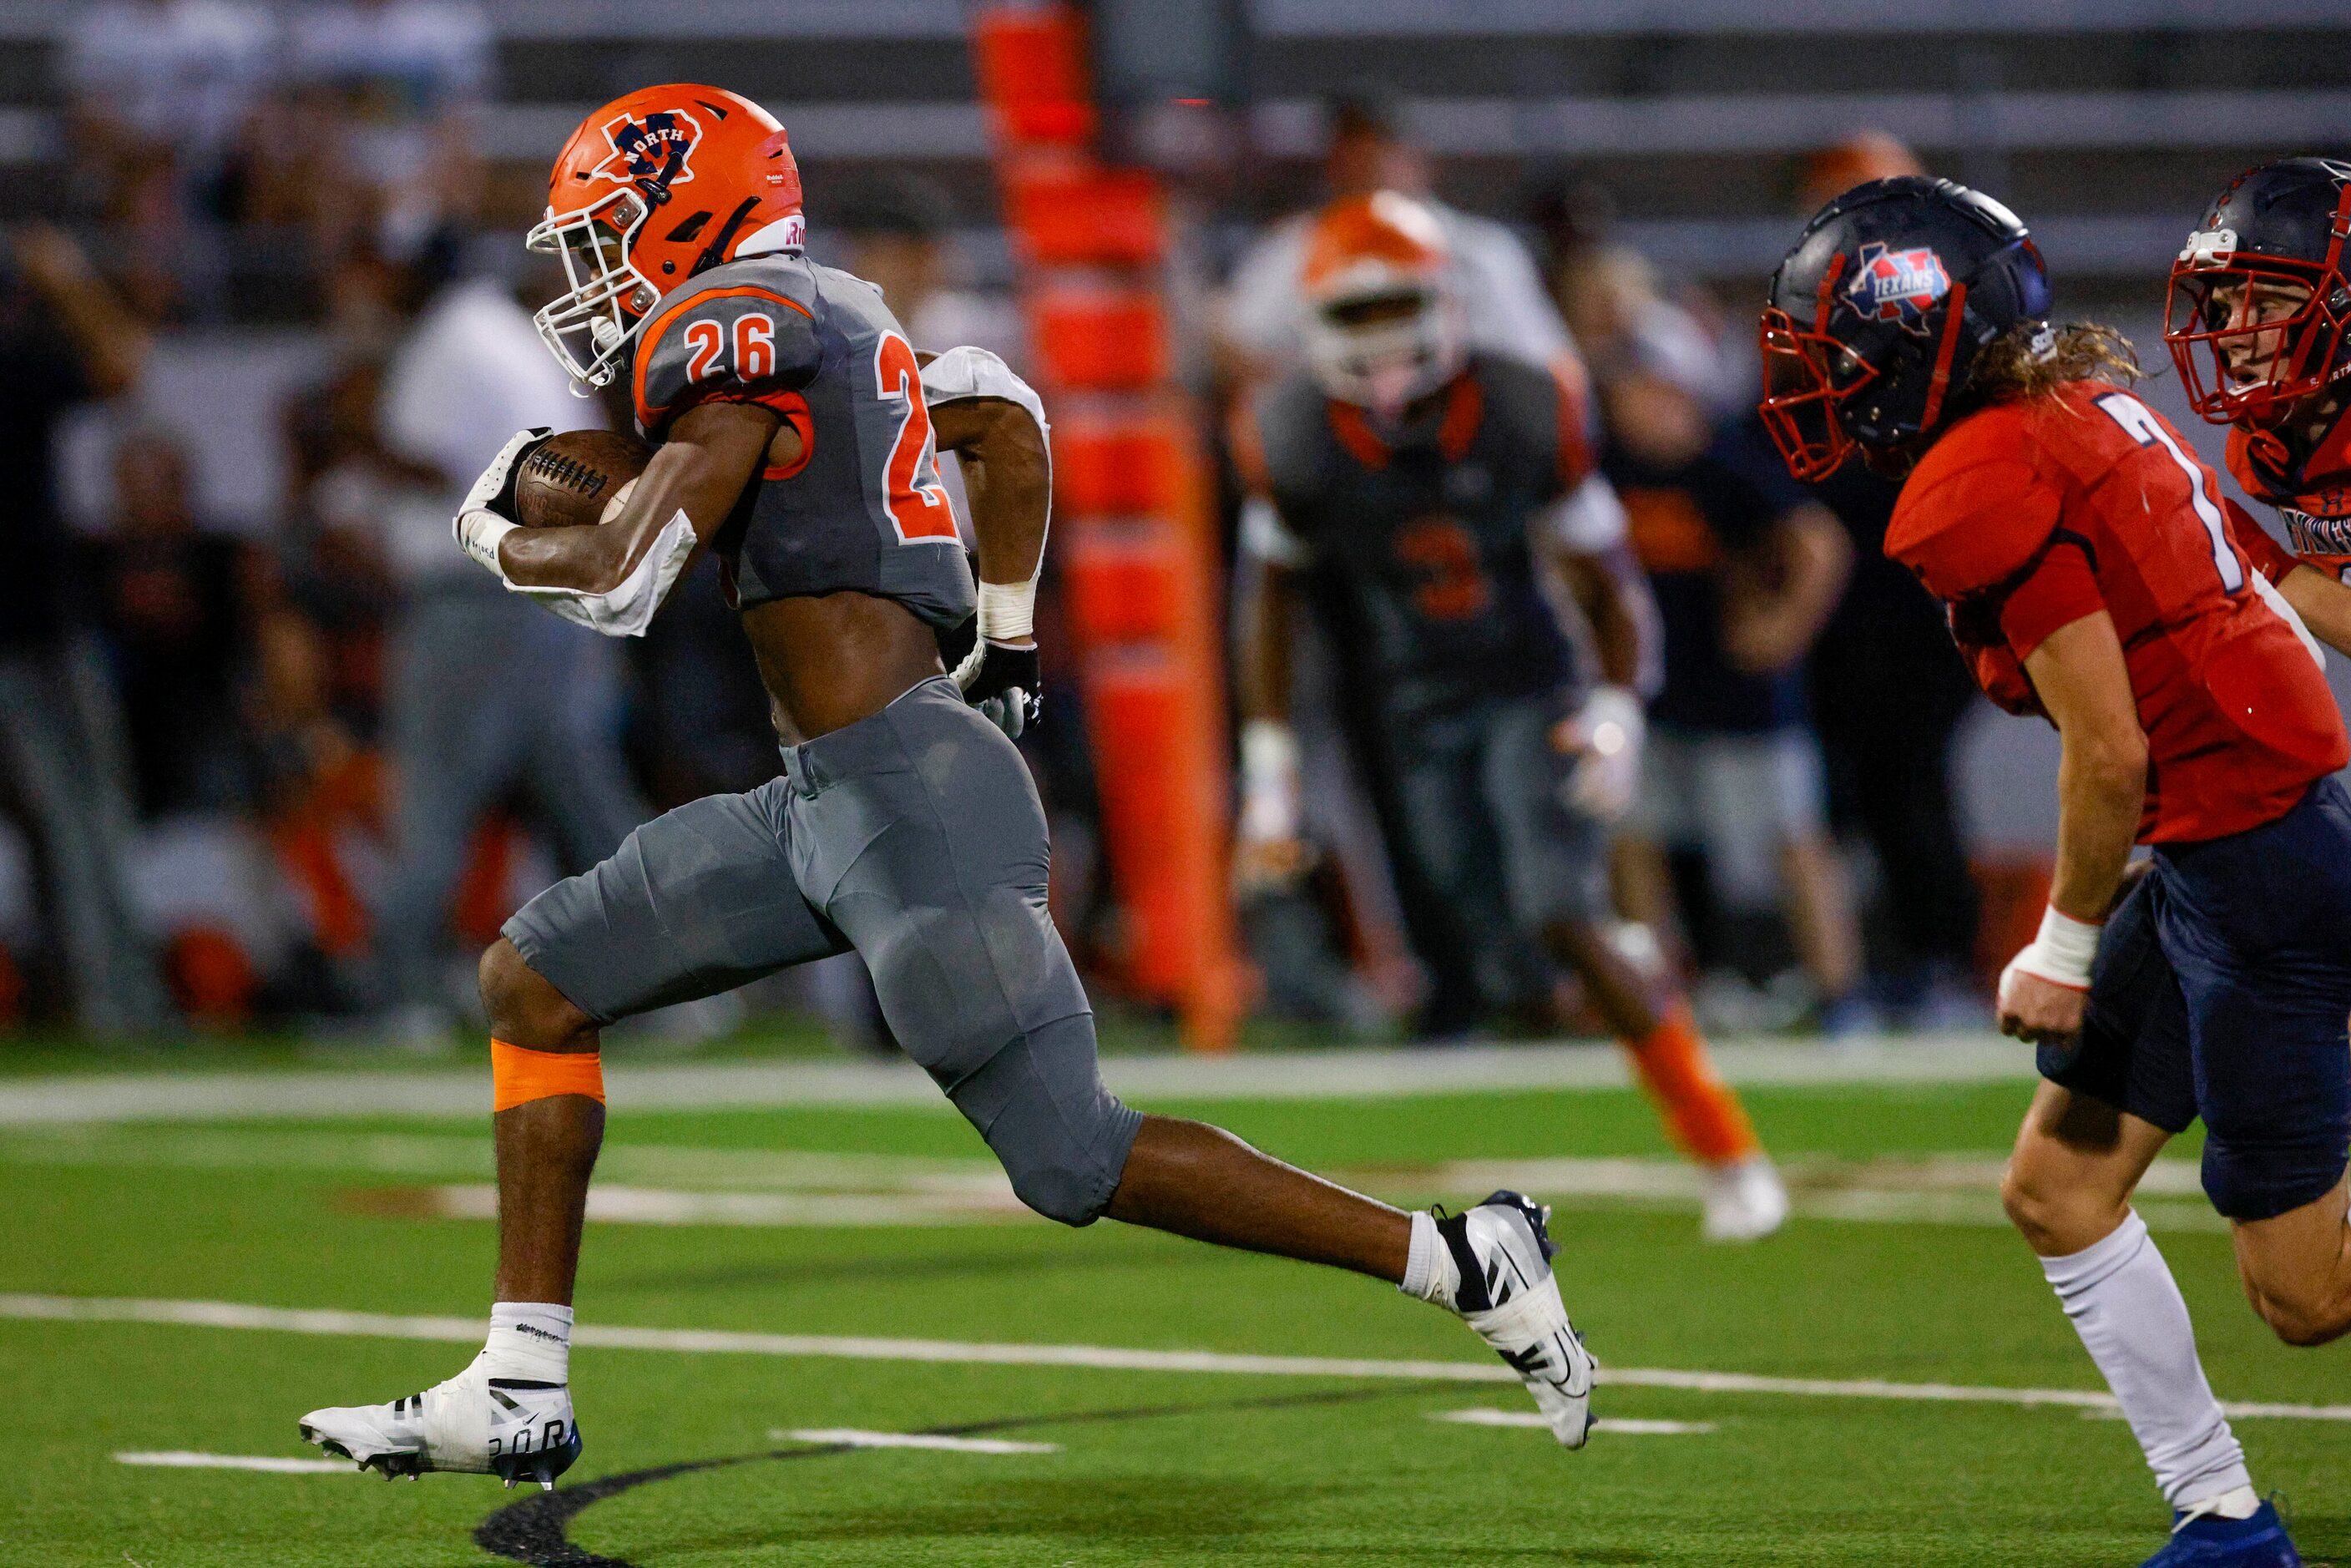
(2063, 950)
(478, 532)
(1007, 612)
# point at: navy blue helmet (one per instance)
(1880, 311)
(2259, 304)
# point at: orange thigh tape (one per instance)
(518, 1075)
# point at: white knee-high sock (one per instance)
(2128, 1312)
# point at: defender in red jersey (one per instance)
(2093, 576)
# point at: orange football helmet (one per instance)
(652, 188)
(1382, 326)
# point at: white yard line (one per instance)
(721, 1341)
(359, 1091)
(182, 1459)
(857, 1437)
(1623, 1428)
(674, 1185)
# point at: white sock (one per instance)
(2128, 1312)
(530, 1340)
(1429, 1272)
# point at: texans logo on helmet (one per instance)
(1897, 286)
(650, 152)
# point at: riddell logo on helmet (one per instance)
(1897, 286)
(650, 151)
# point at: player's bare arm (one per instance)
(699, 472)
(2324, 603)
(1268, 852)
(1008, 475)
(995, 425)
(2079, 674)
(1790, 595)
(1585, 546)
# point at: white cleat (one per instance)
(1745, 1200)
(1509, 1294)
(474, 1423)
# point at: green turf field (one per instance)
(767, 1226)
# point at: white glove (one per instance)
(2062, 954)
(1270, 791)
(487, 515)
(1604, 737)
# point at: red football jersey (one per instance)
(2313, 496)
(2027, 515)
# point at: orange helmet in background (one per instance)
(652, 188)
(1382, 325)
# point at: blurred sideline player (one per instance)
(796, 432)
(2090, 577)
(1416, 496)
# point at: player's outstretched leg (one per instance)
(509, 1414)
(1745, 1200)
(1492, 1265)
(2068, 1189)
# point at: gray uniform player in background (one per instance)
(1417, 496)
(795, 433)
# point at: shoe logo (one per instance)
(1531, 1362)
(1497, 1290)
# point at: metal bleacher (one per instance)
(2103, 120)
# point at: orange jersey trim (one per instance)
(654, 329)
(1464, 410)
(1248, 446)
(519, 1076)
(1574, 385)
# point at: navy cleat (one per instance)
(2207, 1541)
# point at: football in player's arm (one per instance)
(613, 577)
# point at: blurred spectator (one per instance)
(1505, 309)
(160, 89)
(1745, 568)
(900, 236)
(484, 689)
(174, 604)
(1863, 156)
(406, 78)
(1888, 693)
(65, 339)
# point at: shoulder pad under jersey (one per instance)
(742, 332)
(1977, 507)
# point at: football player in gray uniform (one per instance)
(796, 432)
(1418, 496)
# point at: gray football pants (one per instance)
(914, 836)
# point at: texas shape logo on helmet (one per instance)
(651, 149)
(1897, 286)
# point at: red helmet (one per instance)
(651, 189)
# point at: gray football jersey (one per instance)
(863, 510)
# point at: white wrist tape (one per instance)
(2063, 951)
(478, 533)
(627, 609)
(1007, 612)
(1269, 769)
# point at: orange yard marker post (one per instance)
(1135, 526)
